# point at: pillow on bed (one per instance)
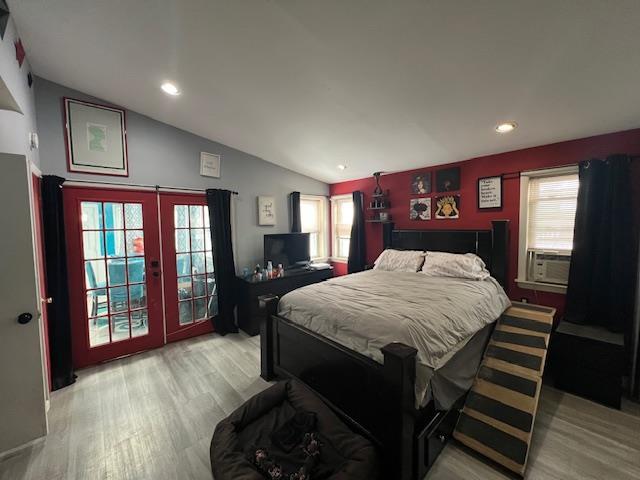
(443, 264)
(399, 260)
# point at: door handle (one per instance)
(24, 318)
(47, 300)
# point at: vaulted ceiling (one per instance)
(371, 84)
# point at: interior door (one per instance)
(114, 272)
(22, 385)
(187, 263)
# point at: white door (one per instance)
(22, 385)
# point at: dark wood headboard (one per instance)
(490, 245)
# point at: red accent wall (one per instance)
(552, 155)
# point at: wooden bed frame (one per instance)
(378, 399)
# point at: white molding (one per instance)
(551, 172)
(338, 259)
(524, 222)
(343, 196)
(541, 287)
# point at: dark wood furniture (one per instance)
(379, 399)
(249, 315)
(588, 361)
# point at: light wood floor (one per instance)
(151, 416)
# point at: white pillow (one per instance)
(399, 260)
(443, 264)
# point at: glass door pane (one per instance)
(115, 276)
(189, 282)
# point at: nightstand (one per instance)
(588, 361)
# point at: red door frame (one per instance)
(83, 354)
(175, 331)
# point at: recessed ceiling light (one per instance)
(170, 88)
(506, 127)
(342, 167)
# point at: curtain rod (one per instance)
(140, 185)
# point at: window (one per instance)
(548, 200)
(552, 212)
(313, 216)
(341, 218)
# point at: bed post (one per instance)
(387, 230)
(269, 307)
(400, 376)
(500, 251)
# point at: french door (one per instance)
(113, 250)
(187, 263)
(140, 276)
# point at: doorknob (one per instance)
(24, 318)
(47, 300)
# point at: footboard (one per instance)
(378, 397)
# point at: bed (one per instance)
(359, 343)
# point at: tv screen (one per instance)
(289, 249)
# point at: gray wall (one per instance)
(160, 154)
(15, 127)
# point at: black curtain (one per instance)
(357, 247)
(219, 202)
(55, 254)
(296, 221)
(601, 279)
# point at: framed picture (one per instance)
(266, 211)
(96, 138)
(421, 183)
(209, 165)
(490, 192)
(448, 180)
(448, 207)
(420, 209)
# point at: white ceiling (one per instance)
(376, 85)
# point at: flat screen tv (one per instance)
(289, 249)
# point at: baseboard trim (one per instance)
(17, 450)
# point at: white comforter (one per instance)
(368, 310)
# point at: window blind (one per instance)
(552, 212)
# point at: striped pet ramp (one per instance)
(498, 416)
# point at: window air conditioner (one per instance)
(549, 266)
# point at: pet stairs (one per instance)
(499, 412)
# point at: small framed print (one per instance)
(266, 211)
(420, 209)
(209, 165)
(490, 192)
(448, 207)
(96, 138)
(421, 183)
(448, 179)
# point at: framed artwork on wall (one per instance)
(96, 138)
(448, 180)
(490, 192)
(448, 207)
(421, 183)
(420, 209)
(209, 165)
(266, 211)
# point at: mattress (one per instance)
(438, 316)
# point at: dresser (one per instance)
(588, 361)
(249, 315)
